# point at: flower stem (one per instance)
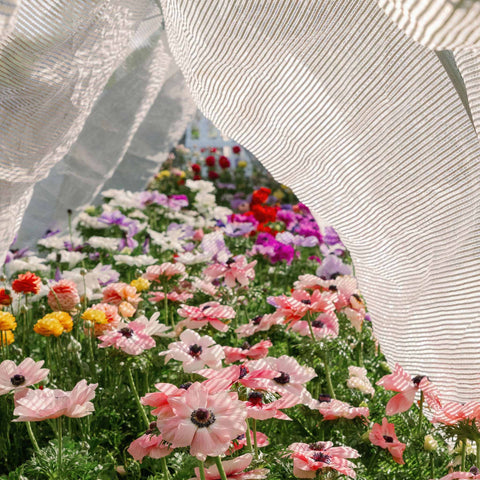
(247, 435)
(464, 454)
(478, 452)
(163, 463)
(202, 470)
(60, 444)
(420, 415)
(331, 392)
(137, 398)
(221, 471)
(254, 427)
(32, 437)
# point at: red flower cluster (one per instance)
(27, 283)
(210, 161)
(224, 162)
(263, 213)
(5, 298)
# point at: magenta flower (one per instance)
(38, 405)
(234, 470)
(247, 352)
(149, 445)
(207, 313)
(29, 372)
(308, 459)
(128, 337)
(206, 422)
(195, 352)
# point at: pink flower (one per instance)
(450, 413)
(474, 473)
(336, 409)
(195, 352)
(400, 381)
(208, 288)
(234, 470)
(153, 327)
(207, 313)
(261, 323)
(384, 437)
(358, 380)
(63, 296)
(111, 313)
(291, 376)
(129, 337)
(324, 326)
(259, 350)
(29, 372)
(165, 271)
(117, 293)
(309, 458)
(236, 270)
(206, 422)
(38, 405)
(172, 296)
(262, 411)
(149, 445)
(241, 441)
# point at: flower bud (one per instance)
(430, 444)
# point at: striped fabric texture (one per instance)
(368, 128)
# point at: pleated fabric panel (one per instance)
(54, 64)
(366, 126)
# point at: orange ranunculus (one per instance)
(27, 283)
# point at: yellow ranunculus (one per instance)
(95, 316)
(7, 337)
(48, 327)
(64, 318)
(141, 284)
(242, 164)
(7, 321)
(163, 174)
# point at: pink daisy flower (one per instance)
(334, 409)
(206, 422)
(234, 470)
(308, 459)
(384, 436)
(207, 313)
(128, 337)
(474, 473)
(18, 378)
(63, 295)
(241, 441)
(236, 270)
(149, 445)
(165, 271)
(257, 351)
(400, 381)
(259, 410)
(195, 352)
(38, 405)
(261, 323)
(324, 326)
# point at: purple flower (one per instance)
(288, 217)
(150, 197)
(115, 218)
(331, 236)
(106, 275)
(176, 202)
(238, 229)
(331, 267)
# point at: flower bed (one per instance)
(207, 328)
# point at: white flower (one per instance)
(137, 214)
(171, 240)
(358, 380)
(90, 222)
(72, 258)
(32, 263)
(189, 258)
(153, 327)
(203, 200)
(93, 279)
(135, 261)
(57, 242)
(200, 186)
(123, 198)
(108, 243)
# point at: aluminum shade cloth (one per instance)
(56, 57)
(370, 132)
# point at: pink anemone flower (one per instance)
(149, 445)
(384, 436)
(128, 337)
(260, 323)
(259, 410)
(204, 421)
(474, 473)
(400, 381)
(173, 296)
(165, 271)
(450, 413)
(234, 470)
(308, 459)
(235, 270)
(208, 313)
(241, 441)
(18, 378)
(334, 409)
(247, 352)
(195, 352)
(38, 405)
(324, 326)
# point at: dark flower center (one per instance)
(323, 397)
(205, 307)
(474, 470)
(388, 439)
(245, 346)
(333, 288)
(306, 302)
(318, 324)
(151, 428)
(243, 371)
(283, 378)
(257, 319)
(322, 457)
(230, 261)
(126, 332)
(255, 398)
(202, 417)
(17, 380)
(195, 350)
(357, 297)
(333, 276)
(185, 386)
(241, 437)
(317, 446)
(416, 380)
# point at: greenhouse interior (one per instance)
(240, 239)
